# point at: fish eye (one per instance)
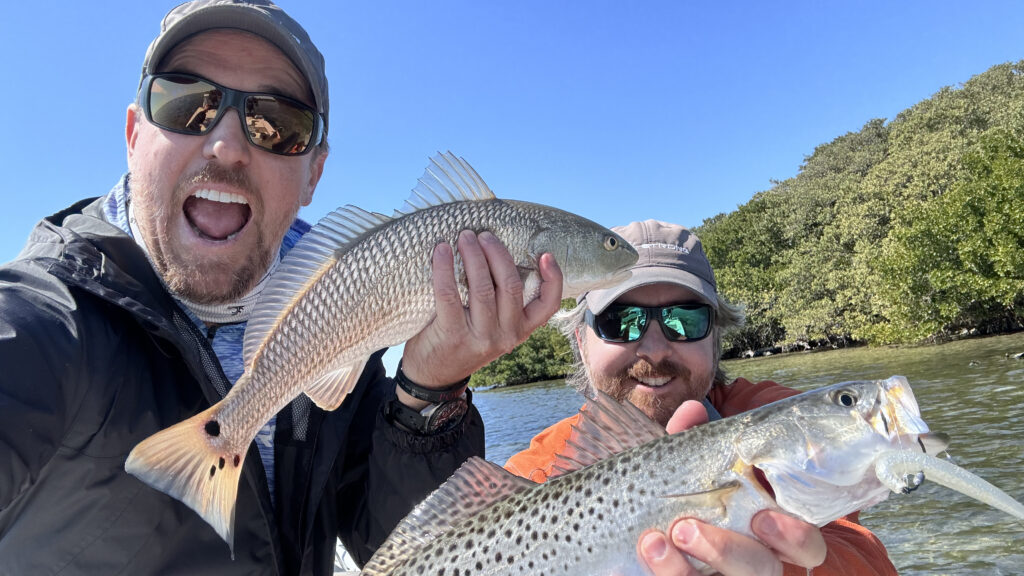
(610, 243)
(845, 398)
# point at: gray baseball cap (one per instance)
(669, 253)
(260, 17)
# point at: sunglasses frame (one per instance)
(656, 313)
(230, 98)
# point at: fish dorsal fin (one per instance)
(311, 256)
(605, 428)
(446, 179)
(475, 485)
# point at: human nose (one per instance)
(653, 346)
(227, 143)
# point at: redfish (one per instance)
(357, 282)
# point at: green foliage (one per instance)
(545, 355)
(957, 261)
(896, 233)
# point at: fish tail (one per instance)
(186, 461)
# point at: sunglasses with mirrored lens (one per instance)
(189, 104)
(679, 322)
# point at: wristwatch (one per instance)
(434, 418)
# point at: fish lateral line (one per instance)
(719, 491)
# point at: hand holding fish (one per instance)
(462, 339)
(360, 281)
(783, 537)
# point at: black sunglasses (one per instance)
(188, 104)
(679, 322)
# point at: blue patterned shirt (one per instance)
(226, 340)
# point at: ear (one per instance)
(131, 128)
(316, 170)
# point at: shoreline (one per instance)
(812, 347)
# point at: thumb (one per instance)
(691, 413)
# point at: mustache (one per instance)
(212, 172)
(644, 369)
(616, 386)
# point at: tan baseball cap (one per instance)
(669, 253)
(260, 17)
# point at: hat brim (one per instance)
(598, 300)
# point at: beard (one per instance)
(202, 278)
(686, 385)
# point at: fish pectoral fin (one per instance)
(330, 390)
(531, 283)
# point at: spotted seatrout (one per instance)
(356, 283)
(825, 453)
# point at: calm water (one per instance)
(973, 390)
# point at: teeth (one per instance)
(654, 382)
(218, 196)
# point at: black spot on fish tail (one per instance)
(236, 460)
(213, 428)
(213, 470)
(220, 464)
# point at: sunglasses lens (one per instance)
(183, 104)
(686, 322)
(189, 105)
(621, 323)
(279, 125)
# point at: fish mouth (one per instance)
(896, 416)
(216, 215)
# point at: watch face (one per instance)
(445, 414)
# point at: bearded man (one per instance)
(655, 340)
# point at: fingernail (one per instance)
(488, 237)
(654, 546)
(684, 532)
(765, 525)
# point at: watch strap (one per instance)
(433, 395)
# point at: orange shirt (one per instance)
(852, 549)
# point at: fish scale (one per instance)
(826, 453)
(355, 283)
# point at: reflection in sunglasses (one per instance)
(191, 105)
(678, 322)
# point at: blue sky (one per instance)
(615, 110)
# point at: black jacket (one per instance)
(95, 356)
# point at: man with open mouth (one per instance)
(124, 314)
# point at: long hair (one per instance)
(571, 322)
